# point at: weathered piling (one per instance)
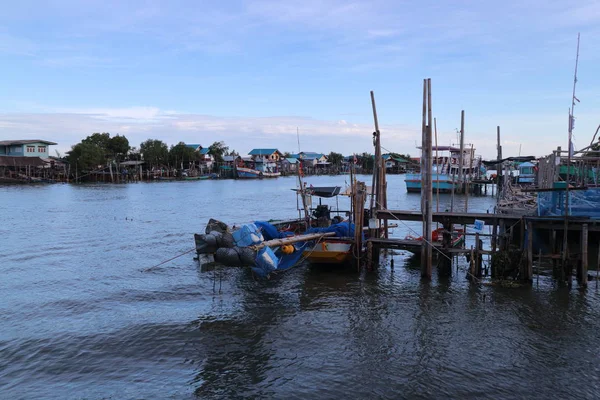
(529, 271)
(583, 274)
(426, 191)
(462, 149)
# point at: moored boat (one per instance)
(446, 170)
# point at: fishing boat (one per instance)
(200, 178)
(446, 170)
(257, 168)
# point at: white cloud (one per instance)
(69, 126)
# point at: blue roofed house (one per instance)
(266, 160)
(311, 158)
(272, 155)
(206, 160)
(289, 164)
(25, 148)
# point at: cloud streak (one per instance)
(243, 134)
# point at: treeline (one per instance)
(100, 149)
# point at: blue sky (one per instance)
(250, 72)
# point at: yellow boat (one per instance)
(330, 252)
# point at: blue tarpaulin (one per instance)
(269, 232)
(343, 229)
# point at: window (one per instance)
(31, 149)
(41, 149)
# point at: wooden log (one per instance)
(293, 239)
(583, 278)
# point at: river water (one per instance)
(85, 314)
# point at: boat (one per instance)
(257, 169)
(269, 247)
(200, 178)
(445, 170)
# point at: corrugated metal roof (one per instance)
(263, 152)
(28, 141)
(21, 161)
(193, 146)
(204, 151)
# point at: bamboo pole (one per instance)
(291, 240)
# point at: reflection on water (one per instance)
(82, 316)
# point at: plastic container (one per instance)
(247, 235)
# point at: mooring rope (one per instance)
(170, 259)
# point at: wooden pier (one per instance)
(515, 241)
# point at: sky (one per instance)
(253, 73)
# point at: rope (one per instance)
(170, 259)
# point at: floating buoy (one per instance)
(287, 249)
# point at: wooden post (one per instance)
(499, 165)
(597, 266)
(462, 149)
(478, 257)
(472, 265)
(583, 278)
(378, 180)
(426, 190)
(529, 272)
(538, 267)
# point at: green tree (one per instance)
(86, 156)
(287, 154)
(181, 154)
(154, 152)
(335, 158)
(98, 139)
(218, 150)
(232, 153)
(117, 147)
(367, 161)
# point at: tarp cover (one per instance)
(343, 229)
(269, 232)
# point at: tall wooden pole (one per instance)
(426, 173)
(437, 169)
(569, 151)
(378, 177)
(462, 149)
(499, 166)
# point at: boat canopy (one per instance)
(323, 191)
(517, 159)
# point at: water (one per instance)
(84, 315)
